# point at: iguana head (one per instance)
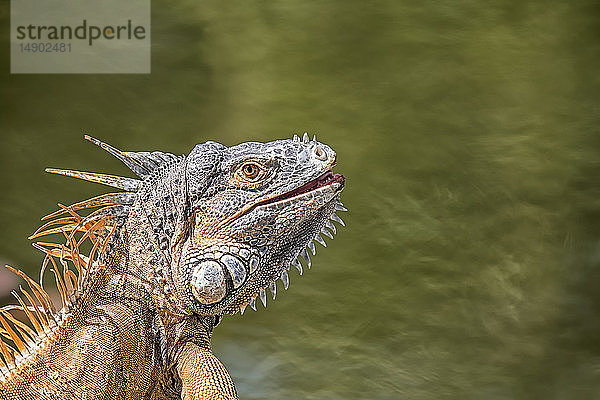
(252, 215)
(214, 229)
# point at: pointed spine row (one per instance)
(305, 138)
(72, 270)
(19, 338)
(284, 276)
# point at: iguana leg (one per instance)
(203, 376)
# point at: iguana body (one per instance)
(196, 237)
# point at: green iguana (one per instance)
(194, 238)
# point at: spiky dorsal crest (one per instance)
(73, 270)
(143, 164)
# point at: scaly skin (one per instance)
(197, 237)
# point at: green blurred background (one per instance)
(469, 135)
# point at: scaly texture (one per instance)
(194, 238)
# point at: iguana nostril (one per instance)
(208, 282)
(320, 154)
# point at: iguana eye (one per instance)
(250, 174)
(251, 171)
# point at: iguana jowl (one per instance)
(196, 237)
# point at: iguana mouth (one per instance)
(327, 178)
